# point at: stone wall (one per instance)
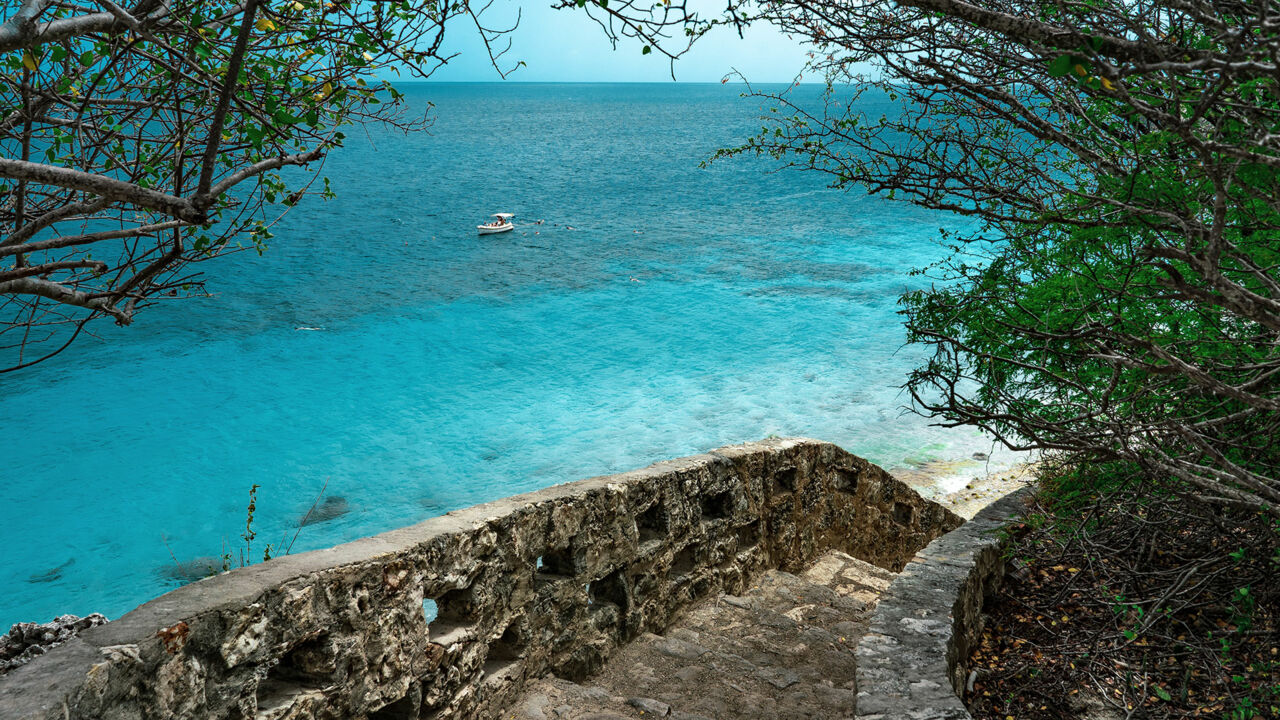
(548, 582)
(913, 663)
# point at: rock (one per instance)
(643, 674)
(650, 706)
(797, 649)
(686, 635)
(924, 688)
(27, 640)
(732, 662)
(534, 707)
(777, 621)
(846, 630)
(939, 628)
(780, 678)
(597, 693)
(689, 674)
(869, 704)
(835, 697)
(675, 647)
(760, 706)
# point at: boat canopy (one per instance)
(504, 216)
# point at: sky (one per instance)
(567, 46)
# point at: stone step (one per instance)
(784, 648)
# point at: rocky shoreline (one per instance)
(26, 641)
(982, 490)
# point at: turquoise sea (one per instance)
(643, 309)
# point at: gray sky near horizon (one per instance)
(564, 46)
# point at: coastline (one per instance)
(935, 480)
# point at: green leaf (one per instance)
(284, 117)
(1163, 694)
(86, 58)
(646, 50)
(1060, 66)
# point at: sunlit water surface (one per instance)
(658, 310)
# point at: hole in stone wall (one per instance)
(406, 708)
(455, 614)
(784, 479)
(846, 481)
(558, 562)
(307, 667)
(684, 561)
(748, 535)
(309, 661)
(654, 523)
(502, 662)
(509, 646)
(717, 506)
(275, 696)
(902, 513)
(580, 665)
(643, 585)
(612, 588)
(703, 587)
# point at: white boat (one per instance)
(501, 224)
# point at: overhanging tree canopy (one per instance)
(1120, 294)
(139, 138)
(136, 139)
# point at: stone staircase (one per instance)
(782, 649)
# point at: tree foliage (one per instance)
(1118, 295)
(138, 139)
